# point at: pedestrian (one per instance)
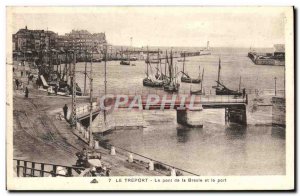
(26, 92)
(21, 86)
(17, 83)
(107, 173)
(65, 109)
(56, 89)
(244, 92)
(28, 79)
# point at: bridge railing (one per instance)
(26, 168)
(223, 99)
(206, 90)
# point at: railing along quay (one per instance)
(150, 162)
(26, 168)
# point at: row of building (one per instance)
(35, 41)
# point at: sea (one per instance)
(216, 149)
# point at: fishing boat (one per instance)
(185, 77)
(151, 82)
(200, 91)
(123, 62)
(172, 85)
(221, 89)
(126, 61)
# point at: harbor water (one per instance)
(217, 148)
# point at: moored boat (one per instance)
(185, 77)
(124, 62)
(221, 89)
(200, 91)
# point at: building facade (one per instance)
(30, 41)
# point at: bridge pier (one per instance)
(182, 119)
(236, 114)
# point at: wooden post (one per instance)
(18, 168)
(42, 170)
(25, 169)
(54, 170)
(32, 169)
(69, 173)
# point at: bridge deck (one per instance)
(205, 101)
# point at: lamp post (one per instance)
(275, 86)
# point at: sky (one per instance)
(162, 26)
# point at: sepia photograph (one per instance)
(150, 98)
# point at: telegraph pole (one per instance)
(85, 65)
(105, 82)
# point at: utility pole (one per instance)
(73, 80)
(91, 144)
(105, 82)
(85, 65)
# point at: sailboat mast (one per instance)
(128, 56)
(171, 67)
(166, 63)
(202, 78)
(219, 71)
(183, 61)
(147, 62)
(240, 84)
(159, 62)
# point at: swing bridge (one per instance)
(235, 107)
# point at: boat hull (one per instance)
(150, 83)
(227, 92)
(124, 63)
(199, 92)
(190, 80)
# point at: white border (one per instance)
(4, 3)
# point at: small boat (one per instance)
(172, 85)
(221, 89)
(200, 91)
(185, 77)
(124, 62)
(151, 83)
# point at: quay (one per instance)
(44, 141)
(275, 58)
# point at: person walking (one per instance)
(56, 89)
(17, 83)
(65, 109)
(26, 92)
